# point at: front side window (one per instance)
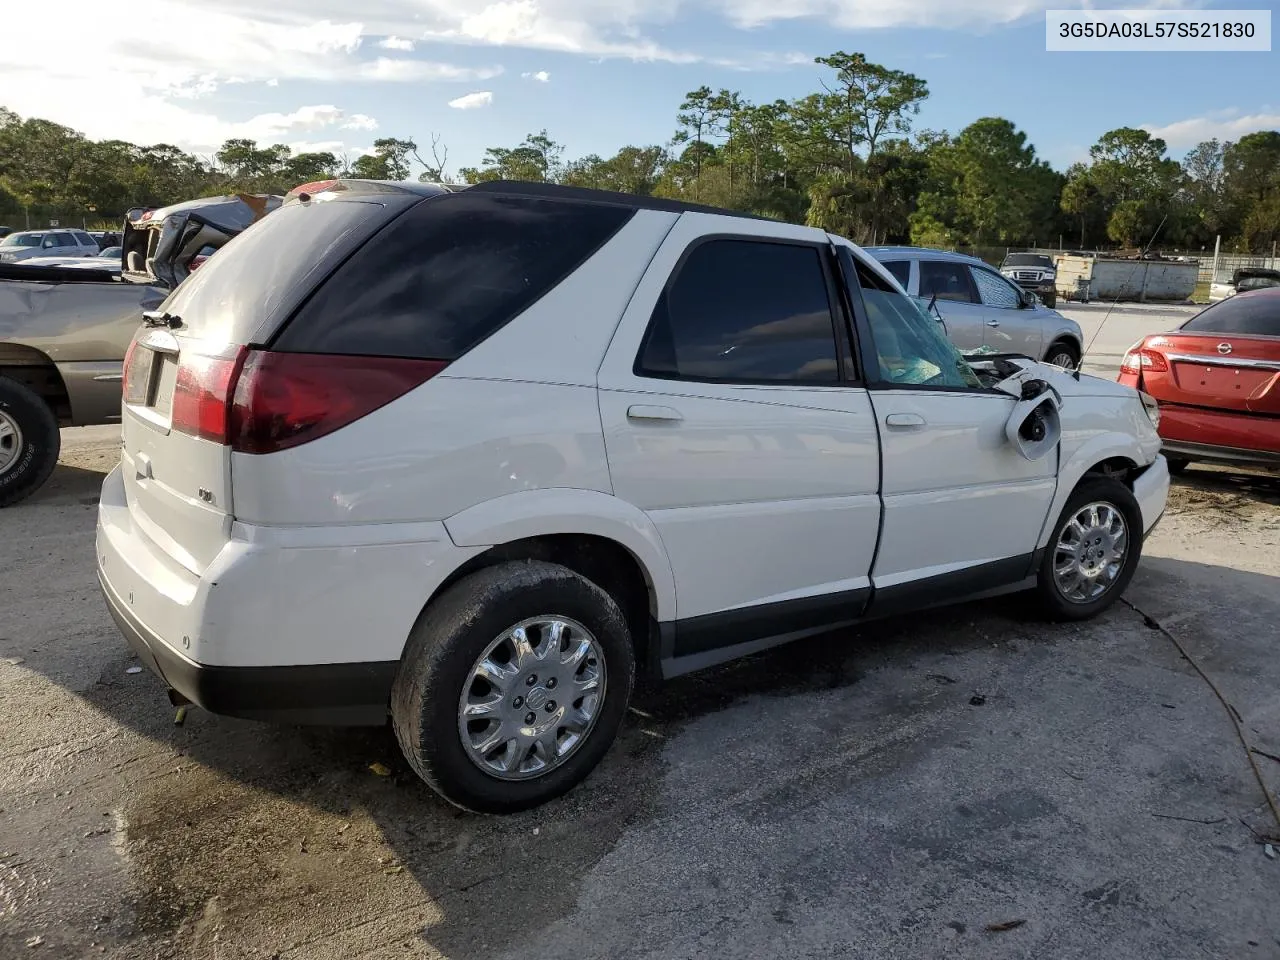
(910, 347)
(65, 240)
(995, 290)
(946, 280)
(744, 311)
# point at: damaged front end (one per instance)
(163, 246)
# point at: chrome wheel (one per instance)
(1090, 552)
(532, 698)
(10, 441)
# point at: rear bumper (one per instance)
(299, 625)
(338, 694)
(1219, 436)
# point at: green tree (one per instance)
(388, 161)
(535, 159)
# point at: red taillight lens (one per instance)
(196, 262)
(1144, 361)
(202, 394)
(285, 399)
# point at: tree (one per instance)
(535, 159)
(871, 101)
(388, 161)
(1081, 198)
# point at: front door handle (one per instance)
(993, 323)
(641, 411)
(904, 420)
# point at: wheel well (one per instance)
(1115, 468)
(37, 373)
(606, 563)
(1070, 341)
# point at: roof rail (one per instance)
(521, 188)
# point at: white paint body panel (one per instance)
(327, 552)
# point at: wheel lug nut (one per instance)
(551, 707)
(551, 684)
(518, 702)
(532, 679)
(530, 717)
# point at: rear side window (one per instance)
(744, 311)
(270, 266)
(901, 270)
(995, 290)
(1242, 315)
(64, 239)
(86, 240)
(946, 280)
(448, 274)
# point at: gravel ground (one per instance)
(886, 792)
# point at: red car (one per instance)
(1217, 380)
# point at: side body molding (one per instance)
(540, 513)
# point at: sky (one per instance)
(595, 74)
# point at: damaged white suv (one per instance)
(469, 459)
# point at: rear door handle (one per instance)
(904, 420)
(993, 323)
(641, 411)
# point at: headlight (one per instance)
(1153, 409)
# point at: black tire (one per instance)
(1051, 301)
(1091, 490)
(1063, 348)
(445, 644)
(1177, 465)
(32, 450)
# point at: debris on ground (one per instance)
(381, 769)
(1005, 925)
(977, 700)
(134, 669)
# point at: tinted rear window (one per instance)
(1242, 315)
(269, 267)
(448, 274)
(1028, 260)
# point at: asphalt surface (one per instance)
(893, 791)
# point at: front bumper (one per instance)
(1151, 489)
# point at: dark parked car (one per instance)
(1035, 272)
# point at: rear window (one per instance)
(1242, 315)
(448, 274)
(269, 268)
(1028, 260)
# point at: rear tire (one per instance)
(1177, 465)
(444, 711)
(1064, 354)
(1090, 550)
(29, 441)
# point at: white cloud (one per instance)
(472, 101)
(405, 70)
(1222, 125)
(541, 76)
(395, 43)
(360, 121)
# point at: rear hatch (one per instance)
(183, 365)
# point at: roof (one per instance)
(42, 230)
(520, 188)
(921, 253)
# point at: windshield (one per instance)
(22, 240)
(910, 345)
(1254, 315)
(1028, 260)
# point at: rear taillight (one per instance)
(284, 399)
(202, 394)
(196, 261)
(1144, 361)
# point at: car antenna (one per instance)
(1141, 257)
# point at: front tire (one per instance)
(513, 685)
(1177, 465)
(1063, 354)
(29, 441)
(1093, 551)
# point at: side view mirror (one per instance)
(1029, 299)
(47, 245)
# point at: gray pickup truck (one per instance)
(64, 332)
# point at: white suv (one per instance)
(471, 458)
(29, 244)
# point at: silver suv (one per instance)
(980, 308)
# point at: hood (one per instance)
(1067, 385)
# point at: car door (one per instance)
(957, 300)
(1009, 326)
(962, 509)
(732, 419)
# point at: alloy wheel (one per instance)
(1090, 552)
